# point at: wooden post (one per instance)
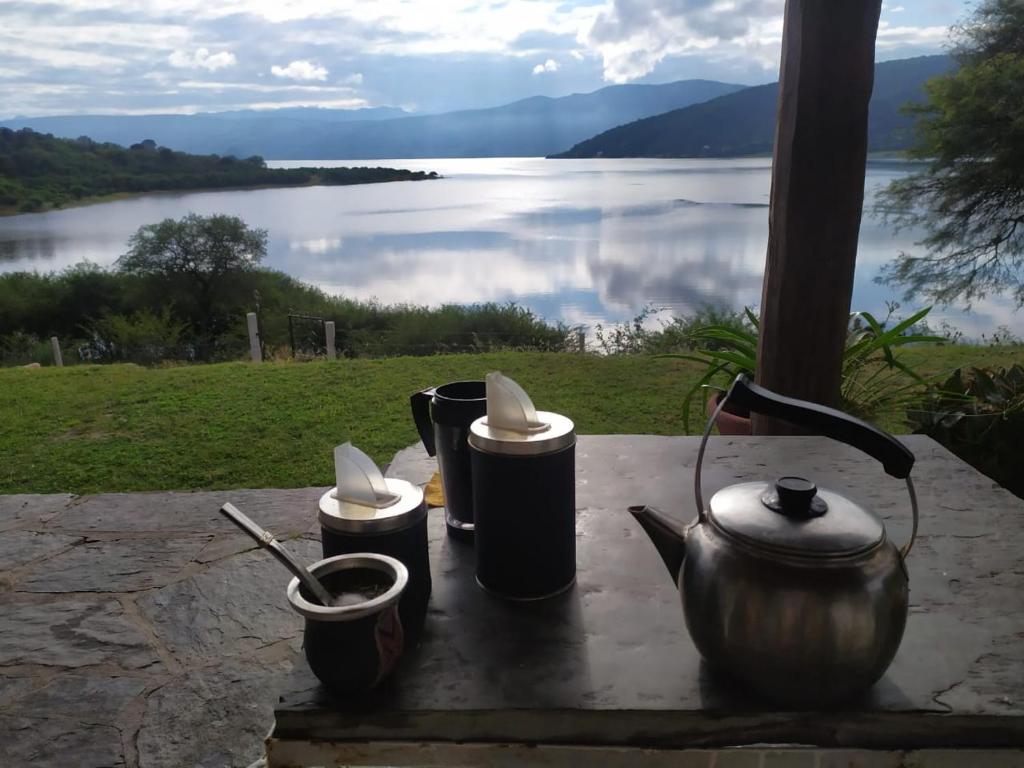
(332, 353)
(58, 358)
(828, 51)
(254, 337)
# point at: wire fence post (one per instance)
(255, 352)
(259, 324)
(329, 339)
(58, 358)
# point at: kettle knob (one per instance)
(795, 497)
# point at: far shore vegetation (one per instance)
(39, 172)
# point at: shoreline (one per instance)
(114, 197)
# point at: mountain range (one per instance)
(743, 122)
(688, 118)
(531, 127)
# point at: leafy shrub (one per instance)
(874, 379)
(979, 416)
(67, 304)
(143, 337)
(415, 330)
(20, 348)
(676, 335)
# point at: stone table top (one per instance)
(143, 630)
(610, 662)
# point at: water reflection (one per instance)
(577, 240)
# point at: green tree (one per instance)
(969, 198)
(198, 259)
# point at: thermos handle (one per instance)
(896, 458)
(420, 403)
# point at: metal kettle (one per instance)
(792, 590)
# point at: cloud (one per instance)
(542, 41)
(548, 66)
(67, 56)
(301, 70)
(890, 37)
(262, 87)
(202, 59)
(634, 36)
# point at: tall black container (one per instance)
(524, 499)
(443, 416)
(398, 530)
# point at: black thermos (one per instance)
(524, 502)
(398, 530)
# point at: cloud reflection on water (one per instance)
(588, 240)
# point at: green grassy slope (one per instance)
(233, 425)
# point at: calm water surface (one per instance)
(583, 241)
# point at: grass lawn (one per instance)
(87, 429)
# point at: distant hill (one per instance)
(39, 172)
(535, 126)
(743, 123)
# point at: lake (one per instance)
(582, 241)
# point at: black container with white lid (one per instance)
(382, 515)
(524, 495)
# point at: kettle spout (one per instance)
(669, 537)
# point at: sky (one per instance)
(183, 56)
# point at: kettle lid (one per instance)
(792, 516)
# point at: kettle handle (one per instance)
(896, 458)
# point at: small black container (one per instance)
(443, 415)
(398, 530)
(524, 497)
(353, 647)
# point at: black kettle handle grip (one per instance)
(420, 403)
(896, 459)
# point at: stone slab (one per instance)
(215, 717)
(282, 754)
(13, 687)
(72, 633)
(31, 510)
(285, 512)
(48, 741)
(20, 547)
(610, 661)
(234, 607)
(84, 698)
(122, 565)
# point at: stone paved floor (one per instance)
(143, 629)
